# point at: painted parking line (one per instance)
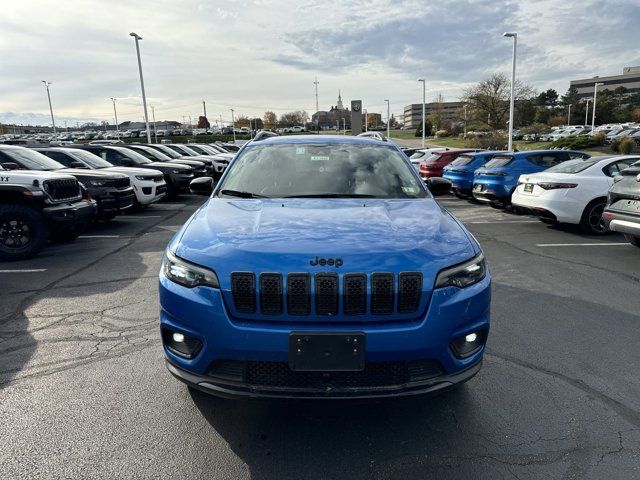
(26, 270)
(99, 236)
(503, 221)
(141, 216)
(601, 244)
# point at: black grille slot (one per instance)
(121, 182)
(382, 293)
(326, 293)
(228, 370)
(424, 370)
(298, 294)
(243, 290)
(271, 293)
(355, 294)
(278, 374)
(409, 291)
(62, 189)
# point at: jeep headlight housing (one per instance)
(188, 274)
(98, 183)
(464, 274)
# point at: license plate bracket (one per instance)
(478, 187)
(326, 351)
(528, 187)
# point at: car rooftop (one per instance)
(326, 139)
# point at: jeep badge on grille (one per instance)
(337, 262)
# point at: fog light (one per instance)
(181, 344)
(466, 345)
(179, 338)
(469, 338)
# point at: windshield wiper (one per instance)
(329, 195)
(237, 193)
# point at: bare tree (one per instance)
(489, 100)
(269, 120)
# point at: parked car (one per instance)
(460, 171)
(148, 185)
(200, 169)
(622, 212)
(574, 191)
(374, 135)
(39, 206)
(434, 164)
(496, 181)
(112, 191)
(283, 285)
(176, 176)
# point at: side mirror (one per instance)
(202, 186)
(438, 186)
(77, 165)
(10, 166)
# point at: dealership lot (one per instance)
(84, 392)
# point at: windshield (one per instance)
(169, 152)
(32, 160)
(323, 170)
(498, 161)
(135, 156)
(462, 160)
(572, 166)
(152, 154)
(93, 161)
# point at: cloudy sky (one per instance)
(257, 55)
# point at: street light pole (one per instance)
(115, 114)
(144, 97)
(569, 116)
(424, 107)
(53, 122)
(513, 85)
(465, 120)
(233, 126)
(595, 95)
(155, 131)
(586, 112)
(366, 121)
(388, 115)
(317, 107)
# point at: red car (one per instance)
(432, 166)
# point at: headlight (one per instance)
(464, 274)
(187, 274)
(145, 178)
(97, 183)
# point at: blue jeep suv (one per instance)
(497, 180)
(460, 171)
(322, 267)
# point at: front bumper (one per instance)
(181, 181)
(113, 200)
(201, 314)
(70, 214)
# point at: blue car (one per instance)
(497, 180)
(322, 267)
(460, 171)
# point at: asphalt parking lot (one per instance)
(84, 392)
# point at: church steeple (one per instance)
(339, 106)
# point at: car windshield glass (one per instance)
(417, 154)
(323, 170)
(32, 160)
(93, 161)
(188, 151)
(169, 152)
(499, 161)
(432, 158)
(462, 160)
(571, 166)
(152, 154)
(135, 156)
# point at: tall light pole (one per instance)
(366, 121)
(513, 85)
(115, 115)
(595, 95)
(586, 112)
(424, 108)
(155, 132)
(316, 82)
(144, 97)
(569, 116)
(233, 126)
(53, 122)
(465, 120)
(388, 118)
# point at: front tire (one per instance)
(23, 232)
(632, 240)
(66, 234)
(592, 222)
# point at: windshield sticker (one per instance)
(410, 189)
(322, 158)
(300, 150)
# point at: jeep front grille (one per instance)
(60, 190)
(329, 293)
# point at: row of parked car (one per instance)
(599, 193)
(52, 192)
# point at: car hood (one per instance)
(277, 235)
(162, 166)
(131, 170)
(83, 172)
